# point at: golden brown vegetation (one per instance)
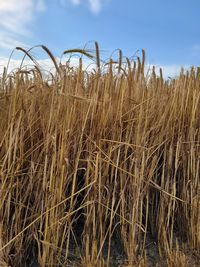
(97, 161)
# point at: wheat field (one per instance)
(99, 167)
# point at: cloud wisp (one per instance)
(15, 20)
(171, 71)
(95, 6)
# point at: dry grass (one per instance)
(95, 158)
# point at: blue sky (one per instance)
(168, 30)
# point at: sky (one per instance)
(168, 30)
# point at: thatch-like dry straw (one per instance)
(100, 165)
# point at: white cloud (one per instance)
(76, 2)
(45, 65)
(9, 41)
(41, 6)
(16, 17)
(171, 71)
(95, 6)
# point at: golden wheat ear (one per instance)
(49, 53)
(77, 50)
